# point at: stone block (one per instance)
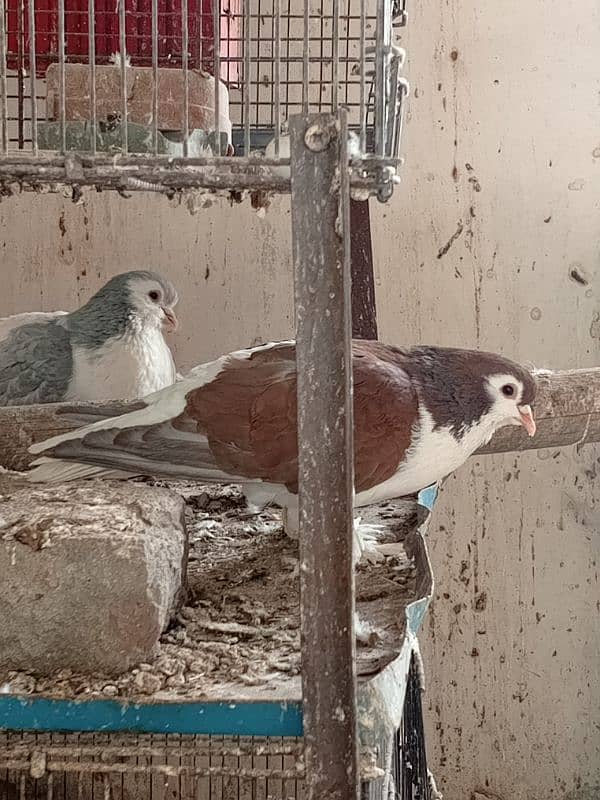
(140, 91)
(90, 575)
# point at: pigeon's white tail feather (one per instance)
(56, 470)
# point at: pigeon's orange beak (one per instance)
(527, 420)
(171, 323)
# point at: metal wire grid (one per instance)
(95, 766)
(276, 57)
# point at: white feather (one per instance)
(434, 454)
(126, 367)
(55, 470)
(115, 58)
(7, 324)
(162, 405)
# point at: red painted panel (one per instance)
(138, 33)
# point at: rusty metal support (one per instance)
(364, 314)
(321, 253)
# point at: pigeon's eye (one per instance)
(508, 390)
(154, 295)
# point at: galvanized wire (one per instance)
(184, 66)
(92, 76)
(216, 6)
(32, 75)
(123, 52)
(61, 77)
(155, 76)
(3, 98)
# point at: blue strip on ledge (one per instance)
(428, 496)
(219, 719)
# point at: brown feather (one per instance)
(248, 414)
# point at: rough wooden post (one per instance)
(320, 237)
(364, 313)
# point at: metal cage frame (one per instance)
(324, 157)
(325, 57)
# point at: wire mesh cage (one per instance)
(92, 79)
(131, 766)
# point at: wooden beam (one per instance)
(567, 412)
(321, 252)
(364, 314)
(22, 426)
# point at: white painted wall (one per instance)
(511, 643)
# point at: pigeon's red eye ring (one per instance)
(154, 295)
(508, 390)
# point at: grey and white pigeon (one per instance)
(418, 415)
(112, 348)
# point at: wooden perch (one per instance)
(567, 412)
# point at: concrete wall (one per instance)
(492, 241)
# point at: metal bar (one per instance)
(402, 95)
(155, 76)
(392, 104)
(3, 99)
(143, 160)
(61, 77)
(363, 71)
(123, 51)
(140, 179)
(246, 101)
(320, 239)
(186, 81)
(32, 76)
(66, 752)
(380, 80)
(55, 768)
(364, 313)
(20, 73)
(216, 6)
(277, 74)
(335, 56)
(92, 57)
(306, 57)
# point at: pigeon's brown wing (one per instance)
(385, 410)
(248, 414)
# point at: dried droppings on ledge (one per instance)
(238, 634)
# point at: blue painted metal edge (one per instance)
(415, 612)
(218, 719)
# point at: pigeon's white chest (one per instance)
(434, 454)
(125, 368)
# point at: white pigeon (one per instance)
(112, 348)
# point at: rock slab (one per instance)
(90, 575)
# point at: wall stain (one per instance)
(577, 275)
(457, 233)
(595, 326)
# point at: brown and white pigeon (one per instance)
(418, 415)
(111, 348)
